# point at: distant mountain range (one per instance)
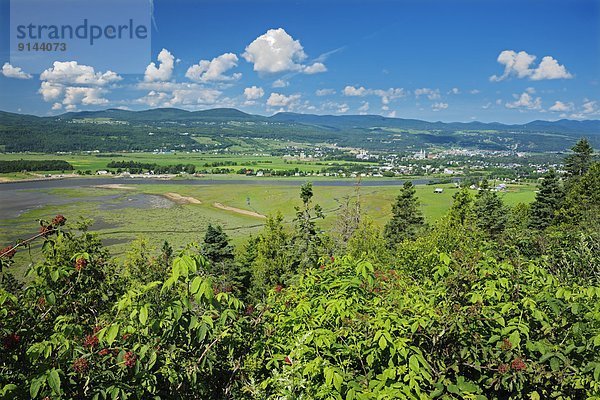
(116, 129)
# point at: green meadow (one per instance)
(124, 213)
(96, 162)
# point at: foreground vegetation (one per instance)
(489, 302)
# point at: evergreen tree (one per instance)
(578, 163)
(490, 214)
(246, 259)
(582, 200)
(219, 253)
(407, 218)
(548, 201)
(462, 207)
(272, 264)
(307, 241)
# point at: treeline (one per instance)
(135, 167)
(34, 165)
(489, 302)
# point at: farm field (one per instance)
(94, 162)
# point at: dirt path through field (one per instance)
(238, 210)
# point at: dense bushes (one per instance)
(453, 324)
(490, 330)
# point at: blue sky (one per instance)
(493, 60)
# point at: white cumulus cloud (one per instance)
(354, 91)
(525, 101)
(72, 73)
(173, 94)
(70, 84)
(315, 68)
(386, 95)
(163, 71)
(549, 68)
(253, 93)
(559, 106)
(432, 94)
(14, 72)
(214, 70)
(276, 51)
(520, 65)
(281, 100)
(589, 107)
(280, 83)
(439, 106)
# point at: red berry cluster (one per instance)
(41, 302)
(518, 364)
(81, 365)
(104, 352)
(8, 252)
(130, 359)
(278, 288)
(503, 368)
(11, 341)
(80, 264)
(46, 230)
(505, 345)
(59, 220)
(90, 341)
(249, 309)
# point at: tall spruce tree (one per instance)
(548, 201)
(219, 253)
(490, 213)
(407, 218)
(307, 241)
(579, 162)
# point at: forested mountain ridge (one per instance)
(172, 128)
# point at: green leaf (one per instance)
(515, 338)
(467, 387)
(382, 342)
(196, 285)
(444, 258)
(35, 386)
(337, 381)
(183, 265)
(54, 275)
(143, 314)
(453, 389)
(111, 334)
(413, 363)
(555, 364)
(54, 381)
